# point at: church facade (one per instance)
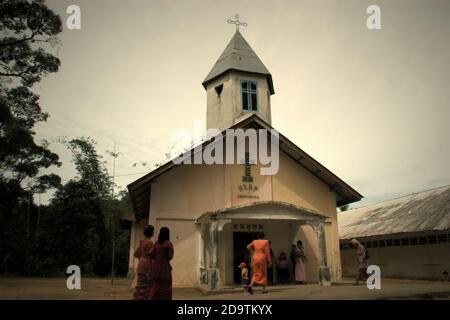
(215, 210)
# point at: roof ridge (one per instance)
(396, 198)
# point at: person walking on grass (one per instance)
(362, 256)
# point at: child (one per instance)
(245, 281)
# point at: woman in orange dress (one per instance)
(261, 259)
(144, 268)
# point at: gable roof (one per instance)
(417, 212)
(140, 190)
(238, 55)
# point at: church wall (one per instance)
(183, 236)
(178, 198)
(306, 234)
(188, 191)
(294, 184)
(333, 250)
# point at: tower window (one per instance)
(249, 95)
(219, 89)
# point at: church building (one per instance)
(214, 211)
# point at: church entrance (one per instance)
(240, 252)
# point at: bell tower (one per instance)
(238, 85)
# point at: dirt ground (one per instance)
(101, 289)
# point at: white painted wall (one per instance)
(226, 110)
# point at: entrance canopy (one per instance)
(210, 224)
(271, 210)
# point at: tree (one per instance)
(28, 31)
(90, 167)
(76, 229)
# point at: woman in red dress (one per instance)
(261, 259)
(144, 266)
(161, 277)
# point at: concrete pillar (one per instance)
(214, 262)
(324, 270)
(202, 271)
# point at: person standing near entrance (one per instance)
(161, 276)
(300, 260)
(144, 268)
(283, 268)
(292, 256)
(261, 259)
(362, 256)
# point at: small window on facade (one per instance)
(423, 240)
(389, 243)
(219, 89)
(249, 95)
(413, 241)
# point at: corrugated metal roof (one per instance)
(238, 55)
(418, 212)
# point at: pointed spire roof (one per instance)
(238, 55)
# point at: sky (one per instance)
(370, 105)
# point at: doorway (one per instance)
(240, 252)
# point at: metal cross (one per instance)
(237, 22)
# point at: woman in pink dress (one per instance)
(144, 268)
(300, 263)
(161, 276)
(261, 259)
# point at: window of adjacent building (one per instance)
(249, 95)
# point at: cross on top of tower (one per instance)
(237, 22)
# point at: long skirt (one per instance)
(299, 270)
(161, 289)
(259, 270)
(142, 289)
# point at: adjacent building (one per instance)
(408, 237)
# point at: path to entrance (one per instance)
(100, 289)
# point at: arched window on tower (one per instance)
(249, 95)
